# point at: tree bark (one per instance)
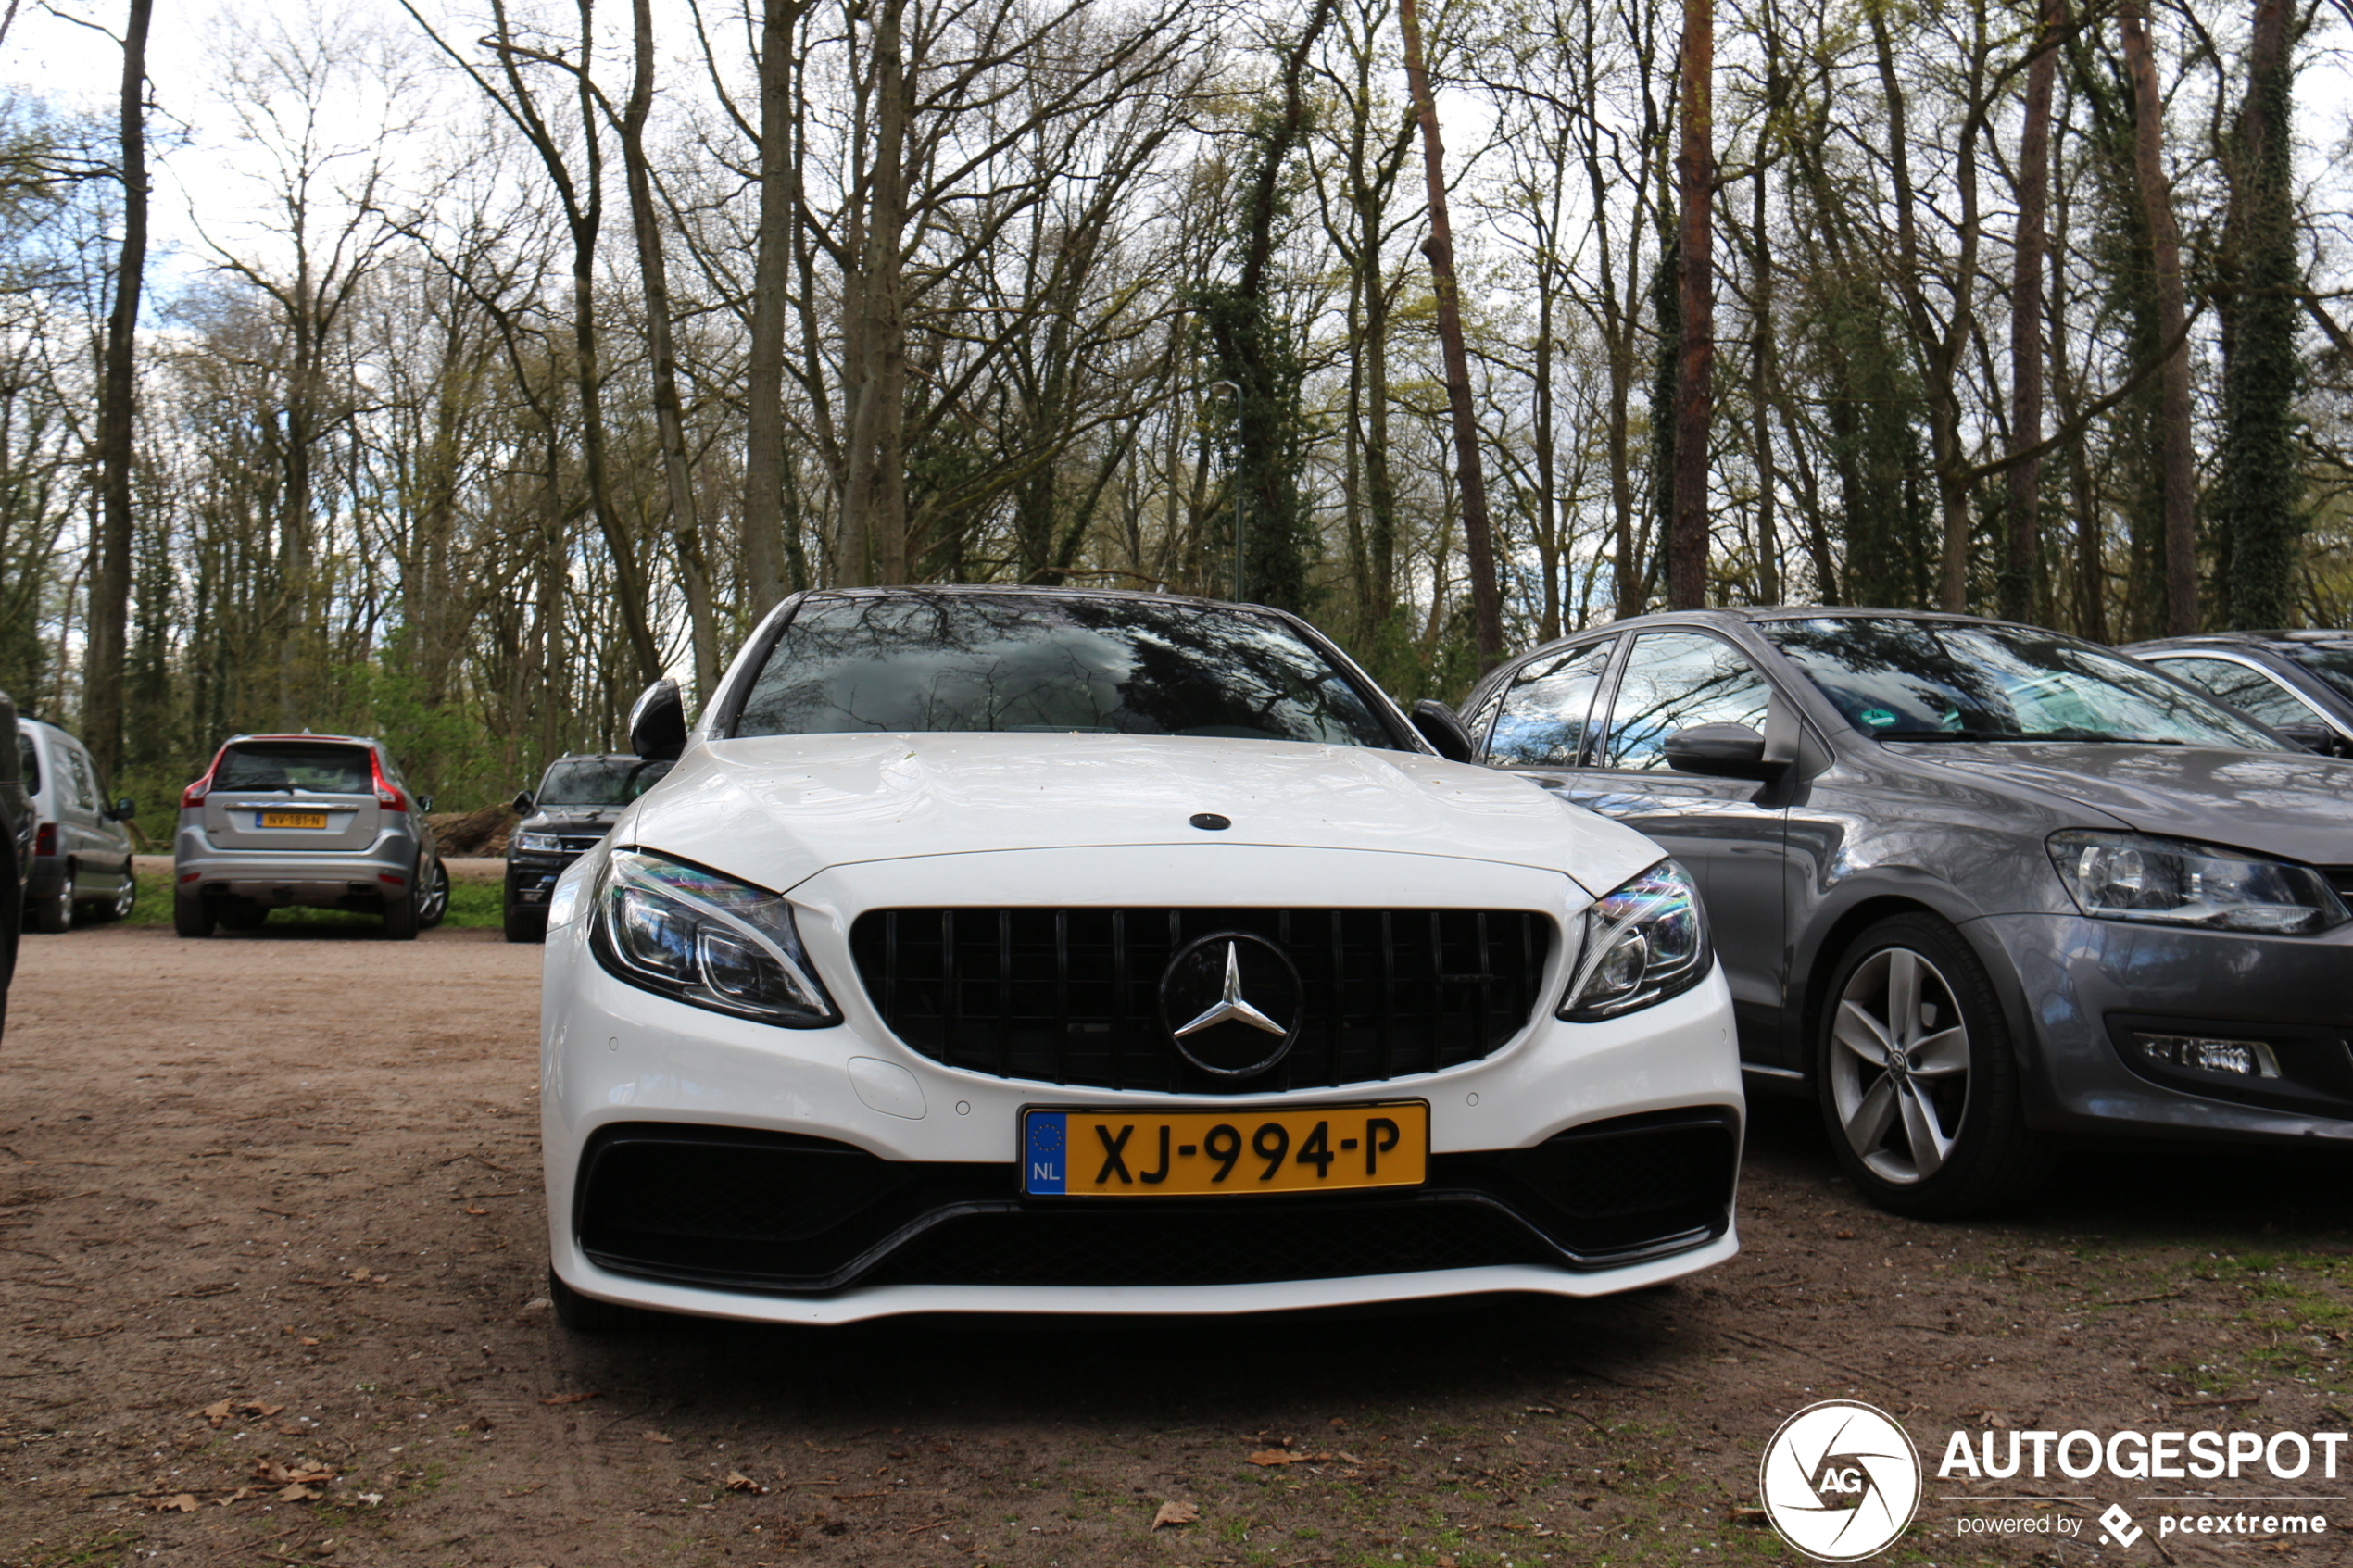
(109, 604)
(2262, 507)
(669, 420)
(1695, 357)
(872, 546)
(1478, 540)
(2023, 561)
(763, 519)
(2174, 456)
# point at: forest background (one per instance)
(483, 362)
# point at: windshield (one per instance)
(2332, 665)
(296, 765)
(599, 781)
(1946, 681)
(937, 662)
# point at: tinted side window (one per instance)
(1546, 708)
(2249, 690)
(28, 764)
(1676, 680)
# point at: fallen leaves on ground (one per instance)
(1175, 1513)
(184, 1503)
(302, 1473)
(1285, 1456)
(222, 1411)
(738, 1481)
(658, 1437)
(573, 1398)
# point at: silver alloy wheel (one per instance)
(1899, 1066)
(125, 897)
(433, 899)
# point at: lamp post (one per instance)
(1236, 388)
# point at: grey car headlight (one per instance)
(538, 843)
(705, 939)
(2174, 882)
(1642, 944)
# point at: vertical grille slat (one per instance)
(1071, 996)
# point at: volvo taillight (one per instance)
(193, 795)
(387, 797)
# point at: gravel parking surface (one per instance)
(272, 1261)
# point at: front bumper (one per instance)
(2087, 986)
(618, 1061)
(531, 879)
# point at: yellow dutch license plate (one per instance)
(1122, 1153)
(294, 819)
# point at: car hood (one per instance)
(2290, 804)
(571, 818)
(778, 809)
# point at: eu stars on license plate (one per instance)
(1122, 1153)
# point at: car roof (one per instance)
(1031, 590)
(1753, 615)
(304, 735)
(2299, 638)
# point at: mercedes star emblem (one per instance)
(1230, 1002)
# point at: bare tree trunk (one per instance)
(1695, 367)
(2021, 567)
(111, 581)
(1768, 543)
(669, 421)
(763, 518)
(2174, 456)
(1487, 607)
(873, 512)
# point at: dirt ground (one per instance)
(272, 1265)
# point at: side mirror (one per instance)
(1444, 732)
(124, 810)
(1731, 751)
(521, 803)
(2311, 737)
(658, 725)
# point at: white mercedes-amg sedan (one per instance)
(1005, 950)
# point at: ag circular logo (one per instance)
(1231, 1003)
(1840, 1480)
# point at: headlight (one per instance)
(705, 939)
(1642, 943)
(539, 844)
(2173, 882)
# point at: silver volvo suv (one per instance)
(322, 822)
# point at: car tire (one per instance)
(585, 1314)
(524, 923)
(1940, 1133)
(53, 913)
(125, 899)
(436, 904)
(191, 916)
(401, 913)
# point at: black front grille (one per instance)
(1073, 996)
(771, 1213)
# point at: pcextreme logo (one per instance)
(1840, 1480)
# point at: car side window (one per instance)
(28, 764)
(1676, 680)
(2250, 691)
(86, 791)
(1545, 709)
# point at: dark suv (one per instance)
(2299, 682)
(574, 809)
